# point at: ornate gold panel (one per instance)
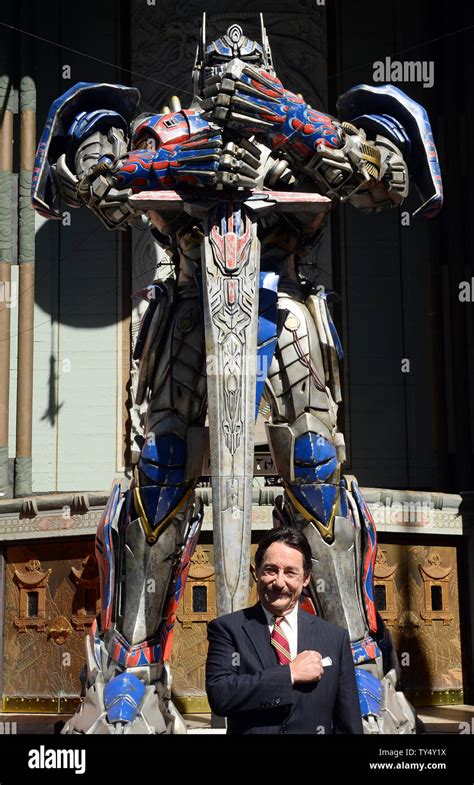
(44, 636)
(86, 601)
(436, 577)
(384, 576)
(44, 650)
(32, 583)
(198, 603)
(426, 628)
(189, 652)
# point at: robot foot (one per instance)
(127, 705)
(384, 708)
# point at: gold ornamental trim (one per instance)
(153, 534)
(15, 704)
(326, 532)
(435, 697)
(352, 129)
(59, 630)
(197, 704)
(370, 154)
(191, 704)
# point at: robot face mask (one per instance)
(212, 59)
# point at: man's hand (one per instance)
(306, 666)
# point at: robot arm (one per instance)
(368, 174)
(202, 160)
(84, 156)
(92, 136)
(364, 159)
(94, 140)
(106, 187)
(86, 122)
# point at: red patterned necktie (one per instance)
(280, 642)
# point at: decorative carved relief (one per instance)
(165, 36)
(434, 648)
(199, 598)
(59, 630)
(384, 577)
(32, 583)
(436, 580)
(189, 652)
(409, 623)
(86, 601)
(34, 664)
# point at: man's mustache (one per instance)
(277, 593)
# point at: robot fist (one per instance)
(239, 165)
(244, 99)
(208, 162)
(98, 192)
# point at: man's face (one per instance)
(281, 578)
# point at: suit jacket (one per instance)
(246, 683)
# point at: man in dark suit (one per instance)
(274, 668)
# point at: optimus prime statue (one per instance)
(236, 189)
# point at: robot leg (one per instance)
(308, 451)
(144, 545)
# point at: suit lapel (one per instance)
(308, 632)
(308, 640)
(256, 628)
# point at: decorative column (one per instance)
(6, 300)
(24, 408)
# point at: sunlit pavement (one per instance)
(437, 720)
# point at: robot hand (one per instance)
(107, 186)
(370, 175)
(209, 161)
(200, 162)
(96, 190)
(245, 100)
(239, 164)
(249, 101)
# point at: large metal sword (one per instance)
(230, 257)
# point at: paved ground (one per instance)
(437, 719)
(447, 719)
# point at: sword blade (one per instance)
(230, 265)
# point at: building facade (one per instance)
(68, 319)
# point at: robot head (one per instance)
(212, 59)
